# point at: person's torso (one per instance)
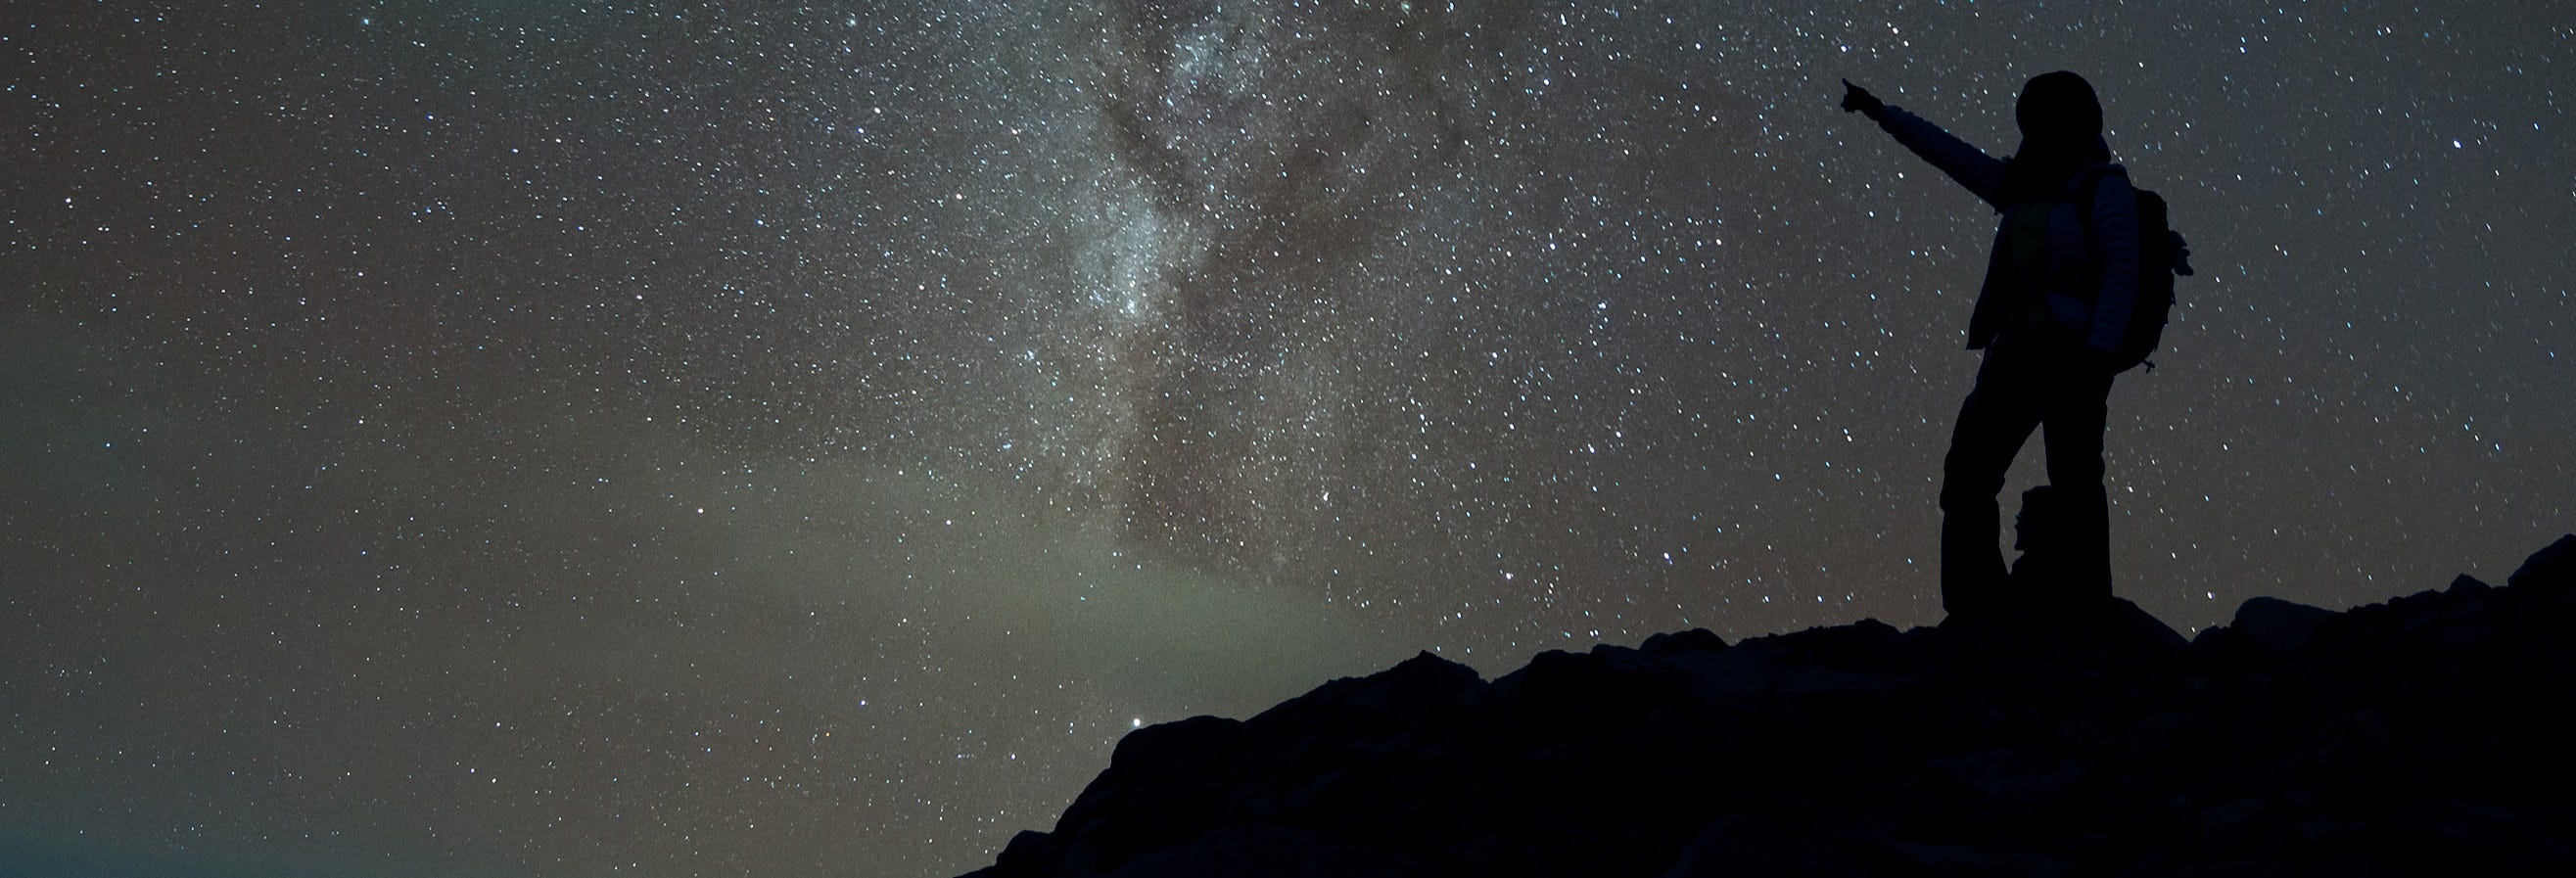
(2047, 262)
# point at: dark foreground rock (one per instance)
(2428, 735)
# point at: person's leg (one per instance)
(2077, 404)
(1996, 419)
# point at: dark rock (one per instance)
(2422, 735)
(1423, 691)
(1681, 642)
(1750, 844)
(1264, 850)
(1608, 684)
(2553, 567)
(2277, 627)
(2122, 623)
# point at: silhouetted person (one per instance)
(2058, 295)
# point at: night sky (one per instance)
(675, 439)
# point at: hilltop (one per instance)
(2424, 734)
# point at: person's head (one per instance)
(2031, 526)
(2061, 131)
(2059, 108)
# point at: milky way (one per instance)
(750, 439)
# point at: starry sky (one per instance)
(542, 438)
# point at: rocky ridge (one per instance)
(2426, 734)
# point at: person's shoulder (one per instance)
(2105, 177)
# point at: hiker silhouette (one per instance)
(2060, 290)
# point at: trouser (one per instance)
(2021, 388)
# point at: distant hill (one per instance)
(2427, 735)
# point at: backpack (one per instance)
(2162, 255)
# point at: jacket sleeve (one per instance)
(2115, 227)
(1972, 167)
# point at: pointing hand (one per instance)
(1859, 100)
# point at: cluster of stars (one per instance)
(669, 439)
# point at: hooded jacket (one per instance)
(2109, 263)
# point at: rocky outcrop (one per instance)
(2425, 735)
